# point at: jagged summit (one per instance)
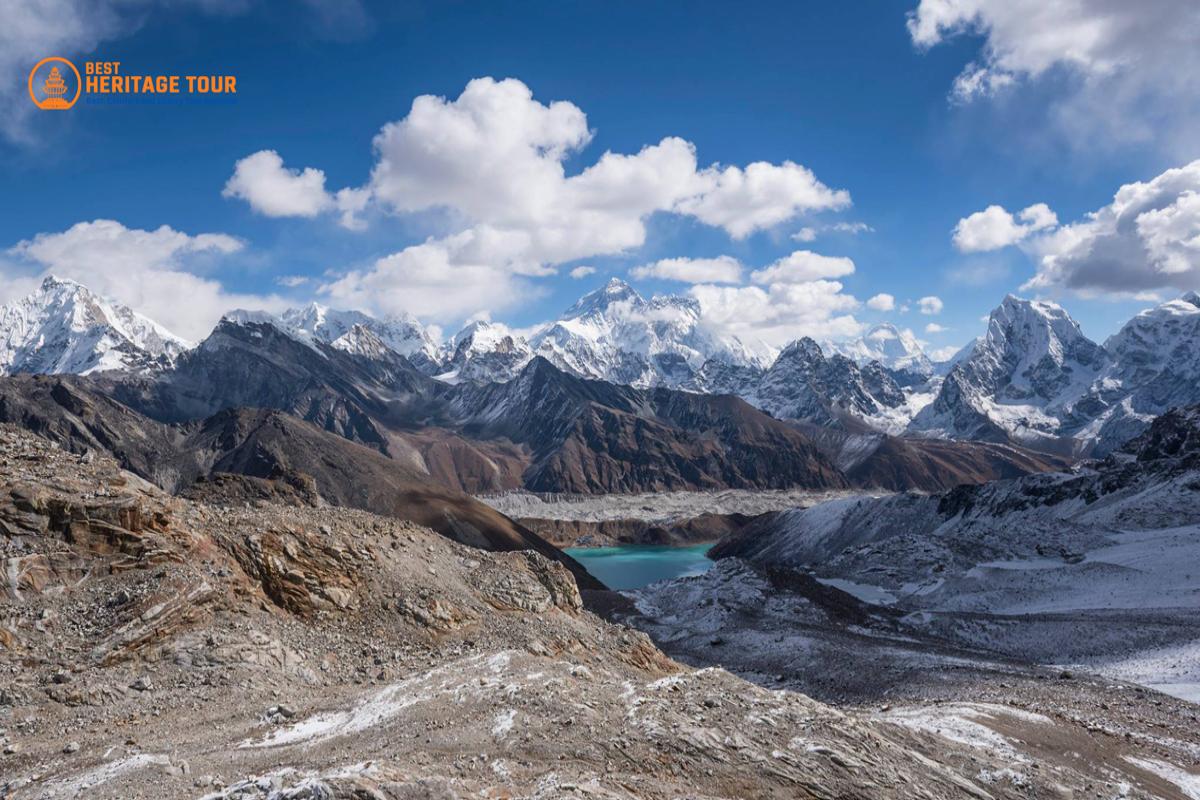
(615, 334)
(484, 351)
(599, 300)
(63, 327)
(895, 348)
(804, 384)
(361, 341)
(1021, 380)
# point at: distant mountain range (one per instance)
(1032, 380)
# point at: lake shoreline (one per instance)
(630, 567)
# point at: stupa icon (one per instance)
(55, 87)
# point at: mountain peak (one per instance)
(1191, 297)
(599, 300)
(64, 327)
(361, 340)
(805, 347)
(893, 347)
(1015, 306)
(52, 282)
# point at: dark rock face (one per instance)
(278, 455)
(932, 465)
(1173, 435)
(254, 365)
(804, 385)
(590, 436)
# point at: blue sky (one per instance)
(845, 90)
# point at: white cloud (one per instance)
(492, 160)
(994, 227)
(441, 279)
(882, 302)
(722, 269)
(760, 196)
(781, 312)
(495, 155)
(292, 281)
(930, 305)
(810, 233)
(1148, 238)
(273, 190)
(802, 266)
(582, 272)
(1130, 66)
(933, 327)
(941, 354)
(145, 270)
(805, 235)
(853, 228)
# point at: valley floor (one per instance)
(158, 647)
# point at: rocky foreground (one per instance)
(156, 647)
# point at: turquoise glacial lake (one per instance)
(636, 565)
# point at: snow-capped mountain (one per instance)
(804, 384)
(894, 348)
(400, 332)
(1155, 366)
(64, 328)
(615, 334)
(317, 323)
(1021, 380)
(485, 352)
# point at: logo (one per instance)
(52, 82)
(55, 84)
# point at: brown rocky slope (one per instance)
(156, 647)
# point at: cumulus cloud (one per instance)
(933, 327)
(274, 190)
(940, 355)
(1129, 65)
(493, 160)
(722, 269)
(1148, 238)
(496, 155)
(882, 302)
(582, 272)
(451, 278)
(806, 234)
(780, 312)
(930, 305)
(760, 196)
(145, 270)
(801, 266)
(994, 227)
